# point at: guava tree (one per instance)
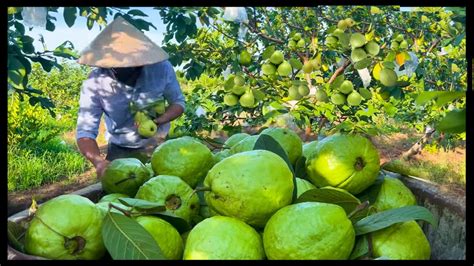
(335, 67)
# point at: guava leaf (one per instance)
(453, 122)
(370, 194)
(387, 218)
(345, 200)
(126, 239)
(142, 204)
(15, 236)
(300, 167)
(268, 52)
(361, 247)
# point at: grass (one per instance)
(44, 164)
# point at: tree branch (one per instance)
(261, 34)
(339, 71)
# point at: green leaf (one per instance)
(426, 96)
(70, 15)
(90, 23)
(16, 72)
(331, 195)
(300, 167)
(363, 63)
(449, 96)
(336, 83)
(295, 63)
(453, 122)
(390, 57)
(66, 50)
(126, 239)
(177, 222)
(361, 247)
(45, 63)
(387, 218)
(142, 204)
(136, 12)
(268, 52)
(16, 233)
(371, 193)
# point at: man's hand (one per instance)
(100, 167)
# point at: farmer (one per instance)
(130, 67)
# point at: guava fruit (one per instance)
(365, 93)
(308, 67)
(394, 45)
(268, 69)
(330, 40)
(234, 139)
(321, 95)
(166, 236)
(249, 186)
(301, 43)
(309, 231)
(113, 197)
(357, 40)
(338, 98)
(291, 44)
(230, 99)
(401, 241)
(244, 145)
(393, 194)
(338, 33)
(388, 77)
(303, 186)
(258, 94)
(238, 90)
(147, 128)
(288, 140)
(140, 117)
(316, 63)
(354, 98)
(293, 93)
(297, 36)
(239, 80)
(358, 54)
(303, 90)
(245, 58)
(350, 162)
(342, 25)
(247, 99)
(150, 168)
(223, 238)
(399, 38)
(174, 193)
(184, 157)
(284, 69)
(350, 22)
(124, 175)
(372, 48)
(309, 147)
(160, 107)
(346, 87)
(65, 228)
(403, 45)
(276, 58)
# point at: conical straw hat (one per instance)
(120, 44)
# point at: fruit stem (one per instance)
(125, 212)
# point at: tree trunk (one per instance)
(418, 146)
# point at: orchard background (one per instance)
(417, 121)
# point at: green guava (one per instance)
(393, 194)
(174, 193)
(220, 155)
(113, 197)
(184, 157)
(309, 147)
(401, 241)
(150, 169)
(350, 162)
(234, 139)
(289, 141)
(249, 186)
(246, 144)
(223, 238)
(65, 228)
(166, 236)
(303, 186)
(124, 175)
(309, 231)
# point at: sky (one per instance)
(81, 36)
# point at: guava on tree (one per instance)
(388, 77)
(338, 98)
(346, 161)
(245, 58)
(239, 80)
(276, 58)
(288, 140)
(393, 194)
(124, 175)
(284, 69)
(354, 98)
(247, 99)
(268, 69)
(230, 99)
(401, 241)
(249, 186)
(346, 87)
(372, 48)
(309, 231)
(303, 90)
(321, 95)
(166, 236)
(223, 238)
(234, 139)
(307, 67)
(66, 227)
(357, 40)
(171, 191)
(184, 157)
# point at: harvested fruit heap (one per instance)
(267, 196)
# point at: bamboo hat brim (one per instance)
(120, 44)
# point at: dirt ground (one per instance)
(390, 147)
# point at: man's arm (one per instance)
(173, 95)
(89, 148)
(172, 112)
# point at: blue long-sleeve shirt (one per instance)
(101, 94)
